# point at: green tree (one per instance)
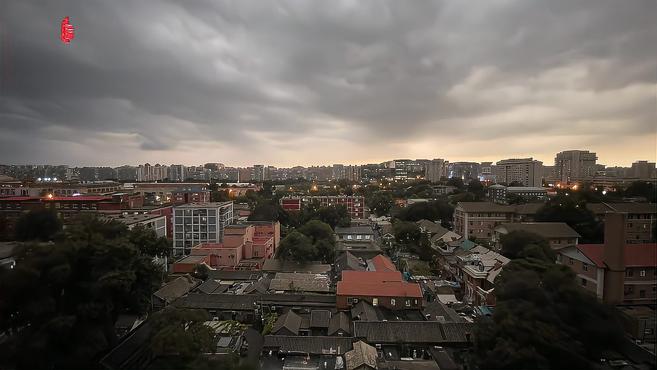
(41, 224)
(334, 216)
(517, 243)
(183, 333)
(432, 211)
(380, 203)
(296, 247)
(576, 215)
(406, 232)
(74, 289)
(641, 189)
(477, 189)
(544, 320)
(148, 242)
(317, 230)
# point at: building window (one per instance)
(642, 273)
(408, 303)
(585, 267)
(629, 273)
(570, 261)
(375, 301)
(583, 282)
(642, 293)
(392, 301)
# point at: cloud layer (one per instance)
(298, 82)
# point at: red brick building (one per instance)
(386, 289)
(355, 204)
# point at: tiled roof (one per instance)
(286, 281)
(383, 263)
(308, 344)
(547, 230)
(339, 321)
(636, 255)
(176, 288)
(362, 355)
(436, 309)
(277, 265)
(412, 332)
(600, 208)
(354, 230)
(320, 318)
(485, 207)
(290, 321)
(384, 284)
(364, 311)
(347, 261)
(432, 227)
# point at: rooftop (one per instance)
(636, 255)
(308, 344)
(131, 219)
(354, 230)
(304, 282)
(384, 284)
(382, 263)
(600, 208)
(406, 332)
(278, 265)
(545, 229)
(176, 288)
(204, 205)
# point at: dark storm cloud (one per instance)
(288, 81)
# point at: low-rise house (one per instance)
(278, 265)
(414, 333)
(615, 271)
(362, 357)
(499, 193)
(354, 233)
(300, 282)
(307, 346)
(558, 234)
(641, 218)
(319, 321)
(287, 324)
(477, 271)
(364, 311)
(479, 219)
(380, 263)
(347, 261)
(173, 290)
(339, 325)
(378, 288)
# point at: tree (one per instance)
(406, 232)
(641, 189)
(317, 230)
(432, 211)
(148, 242)
(268, 210)
(544, 320)
(183, 333)
(74, 289)
(334, 216)
(380, 203)
(512, 198)
(41, 224)
(456, 182)
(576, 215)
(517, 244)
(296, 247)
(477, 189)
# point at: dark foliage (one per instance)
(41, 224)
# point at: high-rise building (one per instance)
(258, 173)
(436, 169)
(575, 165)
(464, 170)
(177, 173)
(146, 172)
(195, 223)
(487, 172)
(338, 172)
(643, 170)
(126, 173)
(526, 171)
(352, 173)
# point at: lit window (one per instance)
(642, 273)
(392, 301)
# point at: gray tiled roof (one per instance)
(545, 229)
(320, 318)
(308, 344)
(290, 321)
(429, 332)
(339, 321)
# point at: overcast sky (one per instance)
(319, 82)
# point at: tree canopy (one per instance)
(75, 288)
(432, 211)
(543, 319)
(565, 209)
(519, 244)
(313, 241)
(40, 224)
(380, 203)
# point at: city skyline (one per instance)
(550, 162)
(348, 82)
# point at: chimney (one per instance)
(614, 258)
